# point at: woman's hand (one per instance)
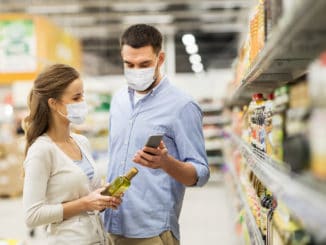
(96, 201)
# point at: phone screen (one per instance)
(154, 141)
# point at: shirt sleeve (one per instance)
(37, 173)
(189, 140)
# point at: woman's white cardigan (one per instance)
(52, 178)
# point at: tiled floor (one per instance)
(205, 217)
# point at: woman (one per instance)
(61, 186)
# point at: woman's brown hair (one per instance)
(51, 83)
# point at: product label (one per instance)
(121, 190)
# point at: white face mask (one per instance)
(76, 112)
(140, 79)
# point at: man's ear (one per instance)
(161, 58)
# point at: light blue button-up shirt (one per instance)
(153, 202)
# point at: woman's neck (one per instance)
(59, 134)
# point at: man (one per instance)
(150, 105)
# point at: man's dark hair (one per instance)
(141, 35)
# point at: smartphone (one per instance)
(154, 141)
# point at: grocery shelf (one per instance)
(211, 107)
(215, 120)
(254, 232)
(215, 160)
(212, 132)
(297, 39)
(304, 196)
(213, 144)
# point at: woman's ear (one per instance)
(52, 103)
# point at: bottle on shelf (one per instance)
(257, 123)
(268, 123)
(120, 184)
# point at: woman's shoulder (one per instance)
(42, 148)
(42, 142)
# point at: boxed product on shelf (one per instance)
(317, 137)
(257, 30)
(289, 230)
(296, 145)
(273, 12)
(11, 242)
(317, 130)
(11, 170)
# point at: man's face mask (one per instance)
(140, 79)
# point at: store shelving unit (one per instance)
(297, 39)
(213, 122)
(254, 232)
(305, 197)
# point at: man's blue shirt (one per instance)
(153, 202)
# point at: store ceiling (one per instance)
(216, 24)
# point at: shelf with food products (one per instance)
(211, 108)
(212, 130)
(290, 46)
(305, 197)
(254, 232)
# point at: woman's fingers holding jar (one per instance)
(114, 202)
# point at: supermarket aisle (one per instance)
(204, 219)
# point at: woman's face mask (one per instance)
(140, 79)
(76, 112)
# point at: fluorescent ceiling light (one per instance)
(75, 20)
(195, 58)
(139, 6)
(157, 19)
(225, 4)
(192, 49)
(188, 39)
(53, 9)
(197, 67)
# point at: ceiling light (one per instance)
(156, 19)
(139, 6)
(74, 20)
(192, 49)
(197, 67)
(53, 9)
(188, 39)
(195, 58)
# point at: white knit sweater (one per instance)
(52, 178)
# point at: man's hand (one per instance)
(152, 157)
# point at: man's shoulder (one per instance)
(179, 96)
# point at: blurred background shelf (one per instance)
(293, 44)
(304, 196)
(254, 232)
